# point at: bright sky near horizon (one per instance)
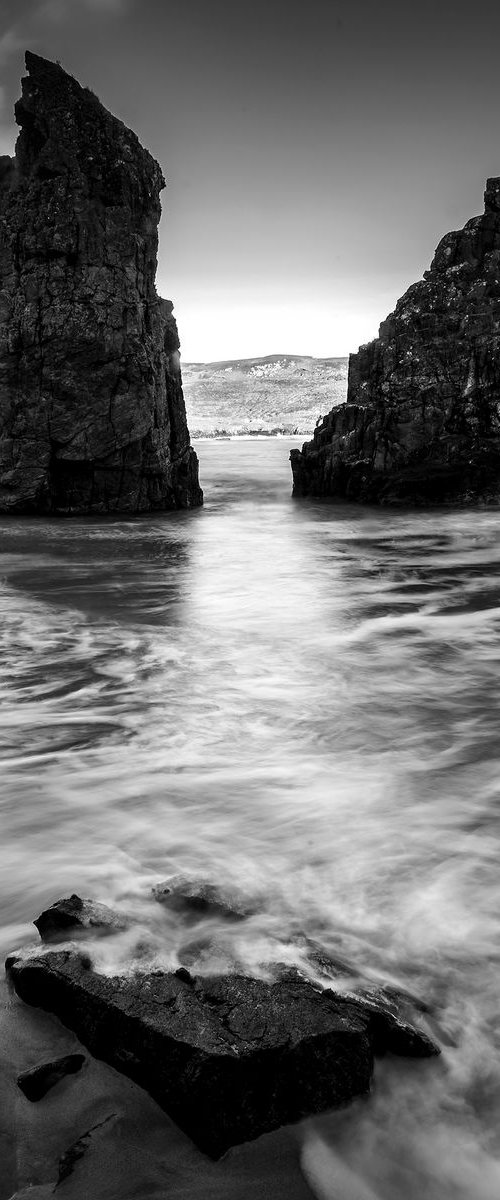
(314, 154)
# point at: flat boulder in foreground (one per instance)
(422, 420)
(227, 1057)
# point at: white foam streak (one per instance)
(329, 1177)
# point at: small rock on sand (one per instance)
(39, 1080)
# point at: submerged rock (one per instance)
(323, 963)
(92, 416)
(422, 420)
(201, 898)
(227, 1057)
(36, 1082)
(71, 914)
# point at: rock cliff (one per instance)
(421, 424)
(92, 416)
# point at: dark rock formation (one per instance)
(92, 416)
(201, 898)
(227, 1057)
(392, 1016)
(422, 420)
(72, 915)
(36, 1082)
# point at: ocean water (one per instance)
(299, 702)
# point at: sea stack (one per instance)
(421, 424)
(92, 416)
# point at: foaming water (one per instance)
(300, 701)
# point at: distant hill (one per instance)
(281, 393)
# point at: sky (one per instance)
(314, 152)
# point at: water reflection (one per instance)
(123, 571)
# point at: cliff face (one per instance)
(92, 414)
(422, 419)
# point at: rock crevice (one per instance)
(421, 424)
(92, 415)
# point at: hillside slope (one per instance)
(279, 393)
